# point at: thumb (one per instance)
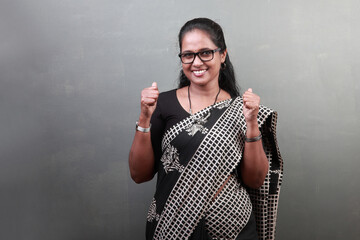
(154, 84)
(250, 90)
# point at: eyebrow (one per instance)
(202, 49)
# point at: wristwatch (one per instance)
(141, 129)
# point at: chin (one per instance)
(200, 82)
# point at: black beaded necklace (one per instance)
(190, 111)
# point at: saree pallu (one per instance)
(198, 155)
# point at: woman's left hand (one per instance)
(251, 106)
(254, 165)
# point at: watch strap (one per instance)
(141, 129)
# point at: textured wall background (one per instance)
(71, 73)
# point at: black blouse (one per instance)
(168, 112)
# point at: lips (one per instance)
(199, 73)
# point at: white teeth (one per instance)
(199, 72)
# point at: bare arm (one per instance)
(141, 156)
(254, 165)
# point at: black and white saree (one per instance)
(198, 154)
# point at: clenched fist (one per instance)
(251, 106)
(149, 98)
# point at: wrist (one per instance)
(143, 121)
(253, 139)
(253, 124)
(252, 129)
(141, 129)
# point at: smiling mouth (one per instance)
(199, 72)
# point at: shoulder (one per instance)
(165, 99)
(167, 95)
(169, 106)
(168, 99)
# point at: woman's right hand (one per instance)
(141, 156)
(149, 98)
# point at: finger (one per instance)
(148, 101)
(249, 93)
(251, 105)
(150, 92)
(251, 97)
(152, 95)
(154, 85)
(250, 90)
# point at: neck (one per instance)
(204, 99)
(204, 92)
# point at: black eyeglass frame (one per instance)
(197, 54)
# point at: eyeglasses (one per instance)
(205, 56)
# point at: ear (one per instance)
(223, 56)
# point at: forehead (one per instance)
(196, 40)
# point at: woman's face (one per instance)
(199, 72)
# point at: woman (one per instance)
(215, 152)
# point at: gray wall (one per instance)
(71, 73)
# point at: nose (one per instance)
(197, 61)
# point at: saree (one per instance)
(201, 153)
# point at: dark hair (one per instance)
(227, 79)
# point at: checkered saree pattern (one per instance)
(216, 158)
